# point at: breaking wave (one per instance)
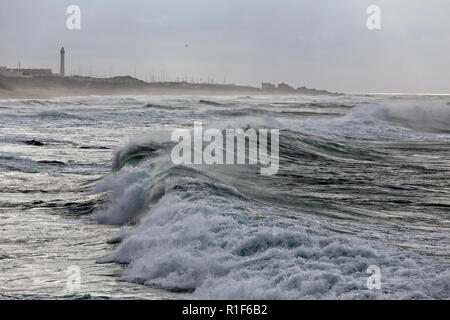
(226, 233)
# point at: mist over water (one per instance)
(363, 181)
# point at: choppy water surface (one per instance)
(363, 180)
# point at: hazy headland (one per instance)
(52, 86)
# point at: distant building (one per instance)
(9, 72)
(62, 66)
(4, 71)
(34, 72)
(267, 86)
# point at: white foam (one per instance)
(194, 239)
(410, 120)
(189, 237)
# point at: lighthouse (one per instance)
(61, 67)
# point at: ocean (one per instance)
(99, 211)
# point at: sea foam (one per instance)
(193, 239)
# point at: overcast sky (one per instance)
(323, 44)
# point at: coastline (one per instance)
(52, 87)
(34, 93)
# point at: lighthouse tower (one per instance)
(61, 66)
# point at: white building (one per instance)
(10, 73)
